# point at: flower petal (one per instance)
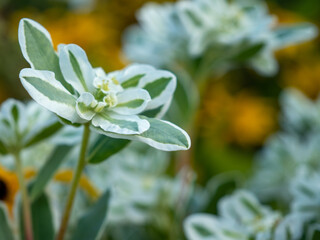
(76, 67)
(84, 106)
(49, 93)
(161, 134)
(132, 101)
(109, 122)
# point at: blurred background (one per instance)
(238, 112)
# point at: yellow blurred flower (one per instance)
(252, 120)
(244, 119)
(9, 186)
(65, 176)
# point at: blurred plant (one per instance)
(241, 216)
(294, 148)
(205, 36)
(23, 126)
(144, 198)
(204, 39)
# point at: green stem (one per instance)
(75, 183)
(25, 199)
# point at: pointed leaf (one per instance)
(92, 223)
(37, 49)
(5, 226)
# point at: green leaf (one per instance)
(44, 133)
(93, 221)
(5, 228)
(48, 170)
(37, 48)
(104, 147)
(42, 219)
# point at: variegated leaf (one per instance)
(162, 135)
(120, 124)
(209, 227)
(48, 92)
(132, 101)
(159, 83)
(76, 67)
(37, 48)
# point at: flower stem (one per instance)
(75, 183)
(28, 231)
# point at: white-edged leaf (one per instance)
(49, 93)
(76, 67)
(162, 135)
(161, 85)
(287, 35)
(209, 227)
(120, 124)
(131, 75)
(131, 101)
(37, 49)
